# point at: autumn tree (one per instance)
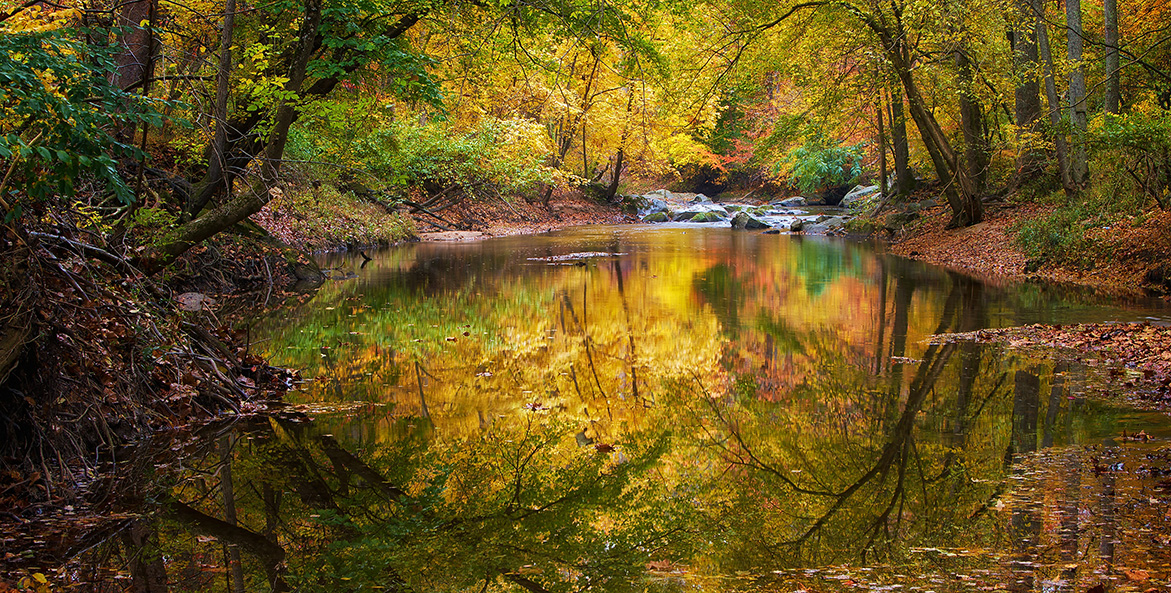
(902, 46)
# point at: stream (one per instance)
(661, 408)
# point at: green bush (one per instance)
(502, 156)
(1132, 158)
(1059, 237)
(821, 163)
(58, 112)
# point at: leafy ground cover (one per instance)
(1125, 255)
(318, 217)
(494, 217)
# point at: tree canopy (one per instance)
(200, 109)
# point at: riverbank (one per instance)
(517, 217)
(1118, 259)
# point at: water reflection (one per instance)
(705, 405)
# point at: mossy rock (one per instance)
(706, 217)
(656, 217)
(896, 220)
(632, 204)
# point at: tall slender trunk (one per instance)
(1031, 160)
(237, 208)
(1051, 96)
(134, 44)
(217, 166)
(1078, 167)
(612, 189)
(966, 208)
(133, 61)
(1113, 96)
(882, 178)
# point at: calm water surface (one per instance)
(688, 409)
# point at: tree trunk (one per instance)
(134, 44)
(882, 177)
(976, 147)
(217, 163)
(904, 179)
(247, 141)
(1059, 143)
(239, 207)
(1078, 168)
(612, 189)
(1113, 76)
(966, 208)
(1031, 160)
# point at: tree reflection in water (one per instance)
(663, 420)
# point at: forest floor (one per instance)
(479, 218)
(1127, 260)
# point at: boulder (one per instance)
(710, 216)
(896, 220)
(772, 232)
(833, 222)
(699, 199)
(656, 217)
(798, 226)
(740, 220)
(857, 194)
(743, 220)
(690, 211)
(658, 194)
(652, 205)
(794, 201)
(755, 224)
(634, 204)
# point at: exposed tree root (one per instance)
(93, 355)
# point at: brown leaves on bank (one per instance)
(104, 356)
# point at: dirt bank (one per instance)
(516, 217)
(1127, 259)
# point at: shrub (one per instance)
(502, 156)
(820, 163)
(1133, 157)
(1059, 237)
(57, 113)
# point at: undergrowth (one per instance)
(96, 355)
(1058, 237)
(322, 217)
